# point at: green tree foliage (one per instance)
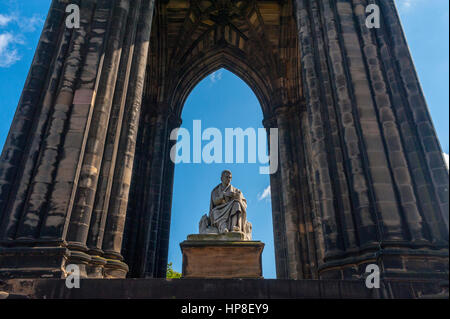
(172, 274)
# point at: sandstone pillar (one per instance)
(277, 211)
(386, 193)
(67, 132)
(115, 222)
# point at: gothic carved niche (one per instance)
(249, 38)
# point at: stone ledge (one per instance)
(230, 236)
(219, 289)
(198, 243)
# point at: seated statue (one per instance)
(228, 210)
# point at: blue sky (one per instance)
(426, 23)
(212, 103)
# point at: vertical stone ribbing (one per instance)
(14, 150)
(336, 157)
(162, 249)
(382, 192)
(419, 137)
(311, 188)
(307, 231)
(371, 92)
(320, 170)
(350, 169)
(87, 186)
(61, 199)
(304, 246)
(416, 167)
(278, 223)
(137, 219)
(288, 177)
(392, 141)
(106, 175)
(112, 242)
(18, 200)
(50, 155)
(146, 255)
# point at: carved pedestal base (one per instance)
(221, 256)
(33, 262)
(115, 269)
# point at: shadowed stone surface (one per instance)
(221, 289)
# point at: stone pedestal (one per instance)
(221, 256)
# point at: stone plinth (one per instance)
(221, 256)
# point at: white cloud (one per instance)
(404, 4)
(12, 35)
(446, 159)
(408, 5)
(29, 24)
(5, 20)
(216, 76)
(265, 194)
(8, 54)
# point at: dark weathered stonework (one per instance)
(182, 289)
(86, 177)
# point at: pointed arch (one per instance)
(225, 58)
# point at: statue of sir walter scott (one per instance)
(228, 210)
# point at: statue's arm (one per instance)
(241, 198)
(239, 194)
(217, 197)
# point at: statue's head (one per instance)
(226, 177)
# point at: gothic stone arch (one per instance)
(85, 174)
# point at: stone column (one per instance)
(288, 170)
(162, 249)
(297, 206)
(34, 104)
(277, 211)
(420, 143)
(74, 133)
(305, 204)
(103, 194)
(112, 241)
(39, 215)
(50, 155)
(64, 155)
(147, 257)
(148, 242)
(319, 140)
(85, 194)
(137, 216)
(313, 194)
(109, 158)
(355, 98)
(395, 151)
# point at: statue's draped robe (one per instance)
(222, 208)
